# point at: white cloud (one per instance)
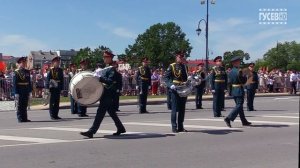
(122, 32)
(18, 45)
(119, 31)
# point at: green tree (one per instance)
(93, 57)
(228, 55)
(159, 44)
(282, 55)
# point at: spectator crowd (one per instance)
(269, 82)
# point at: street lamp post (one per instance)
(198, 30)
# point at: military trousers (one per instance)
(143, 94)
(198, 98)
(21, 106)
(178, 106)
(238, 109)
(218, 102)
(54, 102)
(74, 108)
(106, 105)
(250, 98)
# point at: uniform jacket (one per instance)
(218, 73)
(143, 76)
(254, 83)
(22, 81)
(57, 75)
(237, 78)
(176, 72)
(200, 74)
(110, 80)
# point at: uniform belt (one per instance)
(23, 83)
(237, 85)
(178, 82)
(219, 81)
(144, 78)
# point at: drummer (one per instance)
(81, 108)
(110, 82)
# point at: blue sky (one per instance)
(27, 25)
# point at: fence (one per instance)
(6, 89)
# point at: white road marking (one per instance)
(282, 98)
(186, 126)
(261, 122)
(31, 139)
(79, 130)
(275, 116)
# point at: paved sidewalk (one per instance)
(10, 106)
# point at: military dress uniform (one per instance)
(55, 74)
(219, 85)
(199, 88)
(176, 75)
(251, 88)
(22, 88)
(82, 110)
(237, 80)
(107, 100)
(74, 105)
(143, 79)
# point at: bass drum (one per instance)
(85, 88)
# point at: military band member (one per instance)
(199, 75)
(143, 79)
(251, 86)
(218, 86)
(119, 86)
(110, 81)
(175, 76)
(54, 85)
(237, 80)
(74, 105)
(81, 108)
(22, 89)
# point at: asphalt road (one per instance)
(272, 141)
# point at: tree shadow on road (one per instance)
(216, 132)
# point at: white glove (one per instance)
(213, 91)
(225, 91)
(196, 77)
(137, 87)
(149, 87)
(189, 78)
(17, 96)
(173, 87)
(30, 95)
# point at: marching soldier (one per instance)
(74, 105)
(54, 85)
(175, 76)
(22, 89)
(110, 81)
(82, 109)
(199, 75)
(218, 86)
(237, 80)
(251, 86)
(143, 79)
